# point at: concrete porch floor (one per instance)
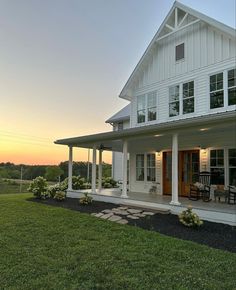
(163, 200)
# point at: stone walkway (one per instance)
(122, 214)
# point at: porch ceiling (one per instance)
(158, 137)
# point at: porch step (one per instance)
(152, 209)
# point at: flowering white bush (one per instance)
(189, 218)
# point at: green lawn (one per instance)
(44, 247)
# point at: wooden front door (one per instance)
(188, 171)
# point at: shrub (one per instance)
(60, 195)
(86, 199)
(53, 189)
(189, 218)
(108, 182)
(77, 183)
(39, 188)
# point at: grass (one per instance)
(45, 247)
(12, 186)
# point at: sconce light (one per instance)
(158, 153)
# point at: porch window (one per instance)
(120, 126)
(152, 106)
(140, 167)
(151, 167)
(232, 167)
(232, 87)
(217, 166)
(216, 91)
(174, 101)
(141, 109)
(188, 97)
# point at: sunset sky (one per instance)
(63, 64)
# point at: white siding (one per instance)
(206, 51)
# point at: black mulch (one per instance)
(216, 235)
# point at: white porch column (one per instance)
(94, 170)
(124, 168)
(174, 200)
(70, 165)
(100, 171)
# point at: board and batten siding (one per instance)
(117, 173)
(207, 51)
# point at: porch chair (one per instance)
(231, 194)
(203, 190)
(205, 179)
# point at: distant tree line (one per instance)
(50, 172)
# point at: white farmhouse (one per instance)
(180, 120)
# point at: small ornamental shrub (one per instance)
(108, 182)
(60, 195)
(189, 218)
(86, 199)
(77, 183)
(39, 188)
(53, 189)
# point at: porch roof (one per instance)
(170, 126)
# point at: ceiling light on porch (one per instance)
(158, 135)
(204, 129)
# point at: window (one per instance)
(217, 166)
(179, 52)
(174, 101)
(216, 91)
(151, 167)
(232, 167)
(188, 97)
(141, 109)
(147, 107)
(232, 87)
(152, 106)
(140, 167)
(120, 126)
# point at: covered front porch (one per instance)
(199, 134)
(213, 211)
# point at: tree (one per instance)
(53, 173)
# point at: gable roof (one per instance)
(122, 115)
(163, 31)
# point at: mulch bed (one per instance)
(216, 235)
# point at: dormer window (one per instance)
(179, 52)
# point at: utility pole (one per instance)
(88, 165)
(21, 177)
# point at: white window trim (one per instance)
(225, 89)
(146, 109)
(145, 168)
(181, 99)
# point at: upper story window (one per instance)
(179, 52)
(216, 91)
(141, 109)
(223, 89)
(152, 106)
(174, 101)
(232, 87)
(120, 126)
(147, 107)
(188, 97)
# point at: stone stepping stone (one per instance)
(106, 216)
(93, 213)
(139, 215)
(99, 214)
(133, 217)
(106, 211)
(122, 208)
(122, 221)
(148, 213)
(121, 212)
(114, 218)
(132, 210)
